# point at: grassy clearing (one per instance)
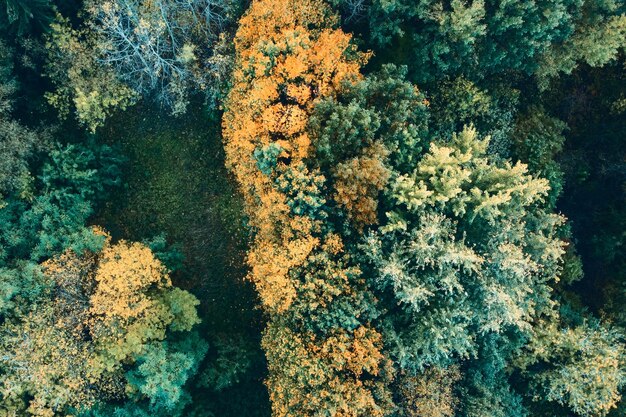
(175, 182)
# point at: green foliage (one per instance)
(484, 38)
(598, 36)
(437, 296)
(82, 85)
(384, 107)
(463, 267)
(70, 182)
(182, 305)
(163, 369)
(17, 143)
(304, 190)
(577, 364)
(171, 255)
(234, 360)
(486, 390)
(267, 157)
(20, 286)
(537, 140)
(491, 108)
(332, 296)
(459, 180)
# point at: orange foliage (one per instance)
(287, 57)
(428, 394)
(103, 310)
(124, 312)
(307, 375)
(358, 182)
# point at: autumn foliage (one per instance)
(279, 75)
(104, 311)
(288, 57)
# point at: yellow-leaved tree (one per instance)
(99, 313)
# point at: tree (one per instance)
(322, 352)
(358, 134)
(429, 394)
(17, 143)
(464, 265)
(166, 48)
(308, 375)
(490, 106)
(596, 40)
(82, 85)
(358, 182)
(163, 370)
(100, 313)
(52, 217)
(576, 363)
(125, 311)
(483, 38)
(537, 139)
(303, 62)
(383, 108)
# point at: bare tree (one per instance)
(353, 9)
(164, 47)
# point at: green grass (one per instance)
(174, 181)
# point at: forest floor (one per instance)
(175, 181)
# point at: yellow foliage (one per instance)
(79, 79)
(124, 313)
(48, 360)
(103, 310)
(428, 394)
(282, 46)
(307, 375)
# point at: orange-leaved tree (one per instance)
(323, 353)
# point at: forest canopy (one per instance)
(307, 208)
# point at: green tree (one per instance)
(537, 139)
(82, 85)
(577, 362)
(463, 266)
(163, 369)
(53, 218)
(384, 107)
(483, 38)
(17, 143)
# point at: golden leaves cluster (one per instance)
(288, 55)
